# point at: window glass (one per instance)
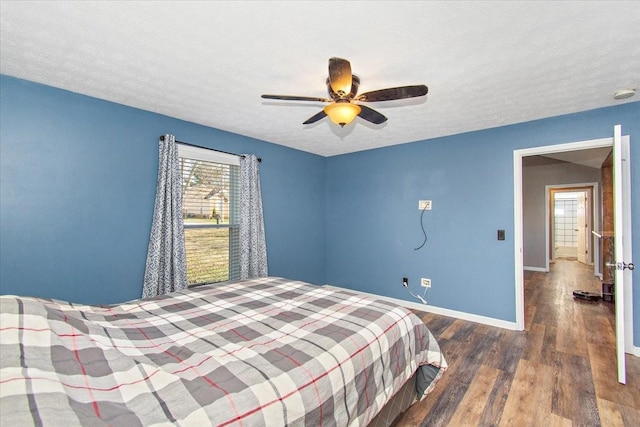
(210, 198)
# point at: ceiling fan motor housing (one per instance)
(355, 84)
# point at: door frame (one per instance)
(594, 219)
(518, 226)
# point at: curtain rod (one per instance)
(207, 148)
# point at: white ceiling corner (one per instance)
(486, 64)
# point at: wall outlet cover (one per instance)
(424, 205)
(425, 283)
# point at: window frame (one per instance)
(212, 156)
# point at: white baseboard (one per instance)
(490, 321)
(635, 351)
(541, 269)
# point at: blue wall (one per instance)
(78, 178)
(78, 182)
(373, 221)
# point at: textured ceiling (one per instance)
(486, 64)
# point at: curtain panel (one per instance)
(166, 268)
(253, 249)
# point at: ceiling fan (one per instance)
(343, 87)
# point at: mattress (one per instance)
(259, 352)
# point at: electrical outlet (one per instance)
(424, 205)
(425, 283)
(405, 282)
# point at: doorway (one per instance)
(626, 325)
(572, 223)
(519, 156)
(567, 232)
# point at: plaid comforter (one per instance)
(261, 352)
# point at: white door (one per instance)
(581, 227)
(622, 243)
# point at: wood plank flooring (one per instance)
(560, 371)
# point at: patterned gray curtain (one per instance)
(253, 248)
(166, 269)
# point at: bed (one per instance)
(266, 351)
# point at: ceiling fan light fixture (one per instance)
(342, 113)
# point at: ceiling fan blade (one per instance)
(371, 115)
(295, 98)
(320, 115)
(340, 76)
(393, 93)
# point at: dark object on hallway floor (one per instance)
(589, 296)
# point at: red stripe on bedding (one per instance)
(94, 404)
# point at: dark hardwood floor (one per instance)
(560, 371)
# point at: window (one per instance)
(210, 213)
